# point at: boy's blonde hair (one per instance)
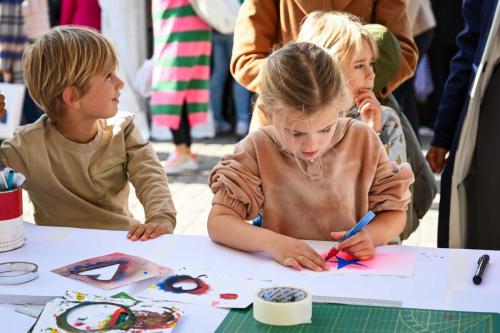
(301, 76)
(65, 57)
(339, 32)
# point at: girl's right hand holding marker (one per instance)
(295, 253)
(359, 246)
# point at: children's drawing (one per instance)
(341, 262)
(78, 312)
(180, 284)
(388, 264)
(112, 270)
(205, 289)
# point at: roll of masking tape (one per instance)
(283, 306)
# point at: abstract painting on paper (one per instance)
(205, 289)
(386, 264)
(113, 270)
(78, 312)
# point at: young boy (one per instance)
(77, 159)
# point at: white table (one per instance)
(442, 278)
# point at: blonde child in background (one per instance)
(312, 174)
(77, 159)
(354, 47)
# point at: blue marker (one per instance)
(360, 225)
(357, 228)
(10, 178)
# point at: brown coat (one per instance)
(260, 26)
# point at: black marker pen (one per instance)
(481, 267)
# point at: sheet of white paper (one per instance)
(382, 264)
(205, 288)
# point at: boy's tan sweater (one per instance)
(355, 175)
(86, 185)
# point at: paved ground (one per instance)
(192, 197)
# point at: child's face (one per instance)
(306, 137)
(101, 100)
(358, 70)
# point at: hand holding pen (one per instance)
(357, 242)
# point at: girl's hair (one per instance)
(339, 32)
(303, 77)
(65, 57)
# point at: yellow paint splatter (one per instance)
(80, 296)
(51, 330)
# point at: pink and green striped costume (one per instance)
(182, 47)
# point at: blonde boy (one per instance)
(77, 158)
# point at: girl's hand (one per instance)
(359, 246)
(370, 109)
(147, 231)
(296, 253)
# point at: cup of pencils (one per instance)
(11, 210)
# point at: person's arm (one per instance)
(388, 197)
(256, 32)
(455, 92)
(457, 85)
(392, 14)
(380, 231)
(151, 185)
(225, 226)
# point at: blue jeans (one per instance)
(222, 46)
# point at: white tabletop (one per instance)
(442, 277)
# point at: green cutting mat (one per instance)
(369, 319)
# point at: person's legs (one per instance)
(182, 160)
(221, 56)
(242, 98)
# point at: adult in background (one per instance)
(478, 16)
(262, 24)
(182, 47)
(449, 23)
(422, 22)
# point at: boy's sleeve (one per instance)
(14, 156)
(149, 179)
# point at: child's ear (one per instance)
(71, 97)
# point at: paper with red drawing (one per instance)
(204, 288)
(387, 264)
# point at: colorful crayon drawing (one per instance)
(113, 270)
(78, 312)
(205, 289)
(388, 264)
